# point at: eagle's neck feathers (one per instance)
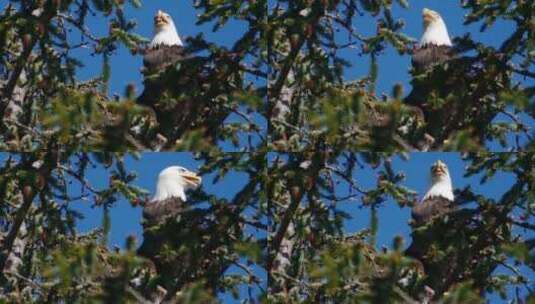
(168, 188)
(167, 36)
(441, 188)
(436, 33)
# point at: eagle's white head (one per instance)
(441, 182)
(164, 31)
(435, 31)
(173, 182)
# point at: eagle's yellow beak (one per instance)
(428, 16)
(439, 168)
(160, 19)
(192, 179)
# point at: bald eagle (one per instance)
(166, 46)
(168, 201)
(170, 194)
(183, 243)
(165, 50)
(450, 92)
(451, 244)
(159, 219)
(439, 198)
(437, 202)
(187, 88)
(435, 46)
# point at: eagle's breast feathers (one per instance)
(430, 208)
(431, 54)
(162, 56)
(156, 211)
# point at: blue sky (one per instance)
(126, 67)
(126, 219)
(394, 68)
(394, 220)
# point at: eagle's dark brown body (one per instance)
(422, 214)
(456, 93)
(187, 93)
(430, 208)
(182, 244)
(451, 245)
(159, 86)
(155, 212)
(429, 55)
(158, 58)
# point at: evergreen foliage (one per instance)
(485, 95)
(42, 102)
(60, 264)
(485, 246)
